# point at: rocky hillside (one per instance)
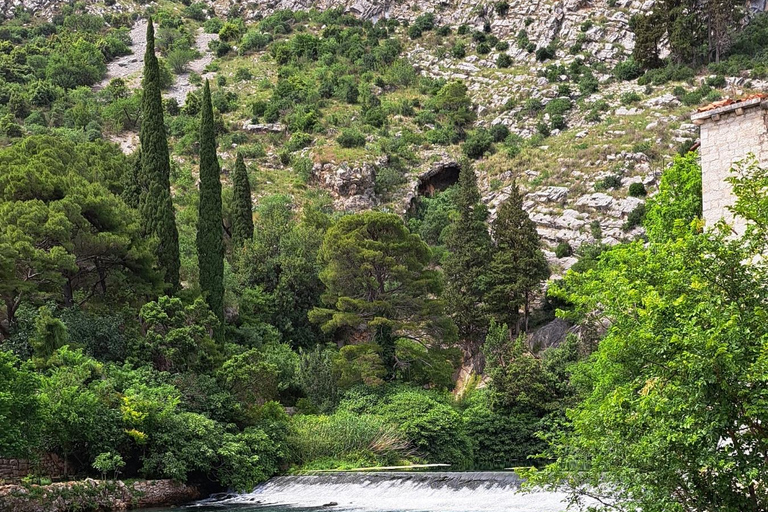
(577, 139)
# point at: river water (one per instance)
(388, 492)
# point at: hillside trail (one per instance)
(129, 68)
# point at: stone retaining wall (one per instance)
(12, 470)
(92, 494)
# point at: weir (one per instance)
(401, 491)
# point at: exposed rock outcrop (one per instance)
(351, 186)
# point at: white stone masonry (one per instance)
(729, 134)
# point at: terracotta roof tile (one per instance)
(730, 101)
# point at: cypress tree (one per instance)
(156, 205)
(469, 246)
(518, 266)
(210, 247)
(242, 217)
(131, 193)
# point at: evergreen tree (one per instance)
(518, 265)
(378, 279)
(242, 216)
(210, 247)
(469, 246)
(156, 205)
(131, 193)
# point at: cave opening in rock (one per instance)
(439, 178)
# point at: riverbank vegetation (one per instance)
(128, 349)
(156, 327)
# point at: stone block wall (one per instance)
(729, 134)
(13, 470)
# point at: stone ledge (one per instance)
(92, 494)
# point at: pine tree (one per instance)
(156, 205)
(518, 265)
(242, 217)
(210, 247)
(469, 246)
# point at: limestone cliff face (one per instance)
(543, 20)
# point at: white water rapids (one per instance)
(417, 492)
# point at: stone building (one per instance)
(730, 131)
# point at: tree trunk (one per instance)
(526, 310)
(69, 298)
(102, 277)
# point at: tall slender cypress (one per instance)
(242, 217)
(210, 246)
(469, 251)
(518, 266)
(156, 205)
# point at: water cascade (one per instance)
(402, 491)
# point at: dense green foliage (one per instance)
(209, 241)
(469, 246)
(242, 216)
(674, 398)
(155, 203)
(697, 32)
(518, 266)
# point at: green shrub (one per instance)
(253, 40)
(212, 26)
(231, 31)
(635, 218)
(596, 230)
(563, 250)
(558, 106)
(387, 180)
(716, 81)
(609, 182)
(483, 49)
(375, 117)
(629, 98)
(588, 84)
(433, 428)
(502, 46)
(628, 69)
(545, 53)
(242, 74)
(503, 60)
(414, 32)
(459, 50)
(477, 144)
(670, 73)
(351, 138)
(500, 439)
(558, 122)
(499, 132)
(533, 106)
(443, 136)
(522, 39)
(637, 189)
(501, 7)
(298, 141)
